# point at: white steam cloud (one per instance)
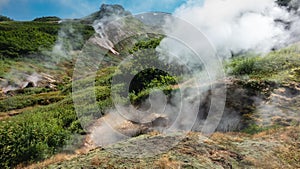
(235, 26)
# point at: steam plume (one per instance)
(235, 26)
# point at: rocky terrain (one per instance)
(276, 148)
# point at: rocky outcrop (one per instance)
(113, 25)
(105, 12)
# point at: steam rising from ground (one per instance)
(232, 26)
(16, 80)
(26, 76)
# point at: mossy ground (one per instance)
(275, 148)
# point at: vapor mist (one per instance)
(232, 27)
(235, 26)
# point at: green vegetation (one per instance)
(23, 38)
(40, 132)
(74, 34)
(254, 128)
(45, 119)
(278, 66)
(50, 124)
(147, 70)
(148, 81)
(4, 18)
(36, 134)
(146, 44)
(47, 19)
(22, 101)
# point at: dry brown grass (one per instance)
(289, 154)
(5, 115)
(166, 162)
(55, 159)
(266, 161)
(154, 133)
(287, 134)
(95, 161)
(229, 137)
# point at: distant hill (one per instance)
(5, 18)
(47, 19)
(106, 11)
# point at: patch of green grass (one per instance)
(4, 66)
(254, 128)
(279, 66)
(22, 101)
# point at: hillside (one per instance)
(275, 148)
(266, 136)
(63, 86)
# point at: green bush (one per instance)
(253, 129)
(276, 66)
(23, 38)
(22, 101)
(4, 18)
(146, 44)
(36, 134)
(243, 65)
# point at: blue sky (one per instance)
(30, 9)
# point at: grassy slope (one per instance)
(22, 38)
(36, 122)
(273, 147)
(50, 121)
(44, 120)
(281, 66)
